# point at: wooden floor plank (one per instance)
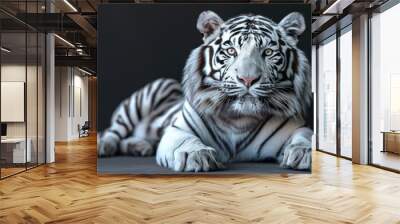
(70, 191)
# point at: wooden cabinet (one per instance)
(391, 142)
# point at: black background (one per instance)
(142, 42)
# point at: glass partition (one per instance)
(23, 89)
(31, 99)
(13, 109)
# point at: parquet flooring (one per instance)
(10, 171)
(70, 191)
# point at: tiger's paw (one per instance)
(196, 161)
(297, 156)
(108, 145)
(136, 147)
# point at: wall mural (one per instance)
(240, 101)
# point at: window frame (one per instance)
(333, 37)
(381, 9)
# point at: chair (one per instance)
(84, 130)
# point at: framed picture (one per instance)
(204, 88)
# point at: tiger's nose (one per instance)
(248, 80)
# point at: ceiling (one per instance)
(75, 22)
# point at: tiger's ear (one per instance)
(294, 25)
(208, 22)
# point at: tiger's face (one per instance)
(248, 65)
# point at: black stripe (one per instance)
(120, 122)
(286, 61)
(128, 113)
(167, 120)
(246, 141)
(174, 125)
(234, 34)
(216, 138)
(266, 30)
(149, 88)
(227, 42)
(210, 57)
(295, 63)
(167, 86)
(236, 19)
(277, 155)
(116, 133)
(167, 96)
(238, 29)
(183, 142)
(138, 105)
(189, 124)
(219, 129)
(273, 43)
(266, 22)
(154, 95)
(280, 61)
(270, 136)
(160, 113)
(184, 166)
(234, 24)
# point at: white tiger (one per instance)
(246, 90)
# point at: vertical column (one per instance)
(338, 99)
(314, 91)
(360, 90)
(50, 92)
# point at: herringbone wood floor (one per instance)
(70, 191)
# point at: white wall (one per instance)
(34, 125)
(71, 102)
(17, 72)
(61, 103)
(79, 103)
(9, 73)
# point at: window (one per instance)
(346, 93)
(327, 95)
(385, 89)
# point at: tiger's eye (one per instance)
(231, 51)
(268, 52)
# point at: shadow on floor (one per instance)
(148, 165)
